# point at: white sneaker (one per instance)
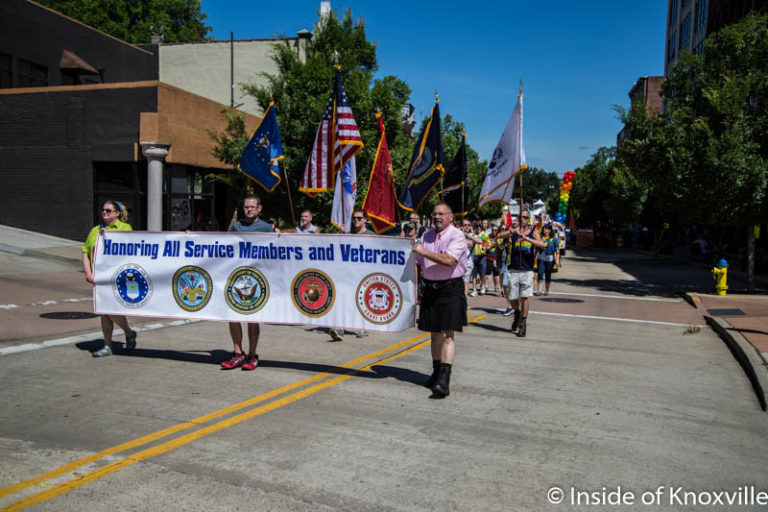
(482, 290)
(473, 293)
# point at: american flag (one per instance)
(336, 141)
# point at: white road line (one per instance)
(588, 317)
(89, 336)
(45, 303)
(615, 297)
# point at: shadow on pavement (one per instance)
(215, 356)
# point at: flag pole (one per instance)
(288, 188)
(520, 253)
(463, 189)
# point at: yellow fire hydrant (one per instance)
(720, 273)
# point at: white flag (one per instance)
(344, 196)
(507, 162)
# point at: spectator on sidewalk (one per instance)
(114, 217)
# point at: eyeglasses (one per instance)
(526, 217)
(107, 210)
(358, 218)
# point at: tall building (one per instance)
(645, 91)
(690, 21)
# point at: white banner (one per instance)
(346, 281)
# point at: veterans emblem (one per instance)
(247, 290)
(192, 288)
(132, 286)
(379, 299)
(313, 292)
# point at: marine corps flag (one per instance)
(456, 180)
(380, 199)
(262, 153)
(426, 167)
(336, 141)
(508, 160)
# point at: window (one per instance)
(685, 32)
(31, 74)
(701, 15)
(699, 49)
(685, 3)
(672, 12)
(671, 48)
(5, 71)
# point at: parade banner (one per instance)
(344, 281)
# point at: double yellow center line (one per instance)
(416, 343)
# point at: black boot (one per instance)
(435, 370)
(516, 322)
(440, 389)
(522, 329)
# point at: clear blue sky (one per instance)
(575, 59)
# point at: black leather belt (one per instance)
(436, 285)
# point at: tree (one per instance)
(300, 90)
(706, 157)
(135, 21)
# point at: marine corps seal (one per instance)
(313, 292)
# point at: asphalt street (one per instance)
(619, 389)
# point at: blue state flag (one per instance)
(426, 168)
(260, 157)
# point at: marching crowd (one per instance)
(456, 259)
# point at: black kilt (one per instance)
(443, 306)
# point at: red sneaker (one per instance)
(251, 362)
(236, 361)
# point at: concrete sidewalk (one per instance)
(28, 243)
(742, 321)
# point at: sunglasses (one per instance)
(526, 217)
(107, 210)
(358, 218)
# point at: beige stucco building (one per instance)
(217, 70)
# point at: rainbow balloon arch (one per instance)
(566, 184)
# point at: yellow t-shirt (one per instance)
(93, 236)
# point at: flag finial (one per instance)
(437, 100)
(521, 87)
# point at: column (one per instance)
(155, 153)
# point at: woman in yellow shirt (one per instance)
(114, 217)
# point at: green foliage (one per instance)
(705, 159)
(134, 21)
(300, 90)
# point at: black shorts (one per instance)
(443, 306)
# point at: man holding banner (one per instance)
(442, 257)
(250, 224)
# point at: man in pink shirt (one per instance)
(442, 257)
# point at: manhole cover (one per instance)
(726, 312)
(557, 299)
(68, 315)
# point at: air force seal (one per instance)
(132, 286)
(379, 299)
(247, 290)
(313, 292)
(192, 288)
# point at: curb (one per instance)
(693, 299)
(37, 254)
(748, 357)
